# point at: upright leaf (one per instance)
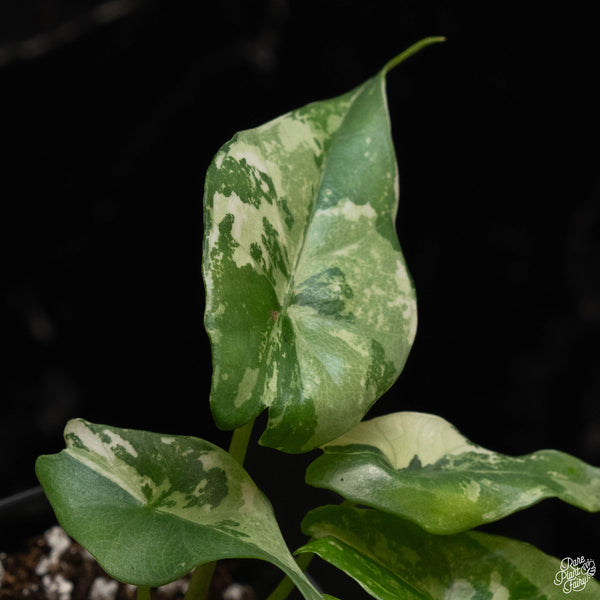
(309, 307)
(151, 507)
(392, 558)
(420, 467)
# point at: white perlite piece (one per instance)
(57, 587)
(236, 591)
(58, 541)
(180, 586)
(104, 589)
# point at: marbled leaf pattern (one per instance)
(151, 507)
(392, 558)
(310, 309)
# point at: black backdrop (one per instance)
(110, 113)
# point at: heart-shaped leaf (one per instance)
(392, 558)
(420, 467)
(151, 507)
(309, 307)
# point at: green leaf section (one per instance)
(392, 558)
(309, 307)
(418, 466)
(151, 507)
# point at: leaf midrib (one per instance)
(288, 295)
(310, 219)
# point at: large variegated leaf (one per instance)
(151, 507)
(309, 307)
(420, 467)
(392, 558)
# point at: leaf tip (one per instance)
(416, 47)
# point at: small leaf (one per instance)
(151, 507)
(420, 467)
(392, 558)
(309, 306)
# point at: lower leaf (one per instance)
(392, 558)
(151, 507)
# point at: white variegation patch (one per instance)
(295, 132)
(471, 490)
(100, 456)
(499, 591)
(402, 436)
(346, 209)
(460, 590)
(247, 383)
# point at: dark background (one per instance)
(110, 113)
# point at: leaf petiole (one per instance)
(200, 581)
(239, 442)
(286, 586)
(143, 592)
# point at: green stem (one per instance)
(239, 442)
(285, 588)
(416, 47)
(143, 592)
(200, 581)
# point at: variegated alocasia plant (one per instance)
(311, 315)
